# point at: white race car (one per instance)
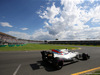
(58, 56)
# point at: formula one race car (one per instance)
(58, 56)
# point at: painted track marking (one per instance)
(17, 70)
(86, 71)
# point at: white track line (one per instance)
(17, 70)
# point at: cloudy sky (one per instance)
(51, 19)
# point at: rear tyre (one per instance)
(44, 55)
(58, 63)
(44, 59)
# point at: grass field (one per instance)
(30, 47)
(94, 73)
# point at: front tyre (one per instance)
(85, 56)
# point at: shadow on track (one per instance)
(42, 65)
(47, 66)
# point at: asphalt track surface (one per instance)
(30, 63)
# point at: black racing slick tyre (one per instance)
(58, 63)
(85, 56)
(44, 55)
(44, 59)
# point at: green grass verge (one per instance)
(30, 47)
(94, 73)
(88, 45)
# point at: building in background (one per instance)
(75, 42)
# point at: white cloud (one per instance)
(19, 34)
(38, 35)
(96, 13)
(68, 20)
(50, 12)
(42, 6)
(92, 1)
(42, 35)
(24, 28)
(5, 24)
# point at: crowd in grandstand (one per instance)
(7, 39)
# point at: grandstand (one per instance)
(80, 42)
(6, 39)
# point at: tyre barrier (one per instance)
(18, 45)
(3, 45)
(12, 45)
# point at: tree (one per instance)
(56, 39)
(45, 41)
